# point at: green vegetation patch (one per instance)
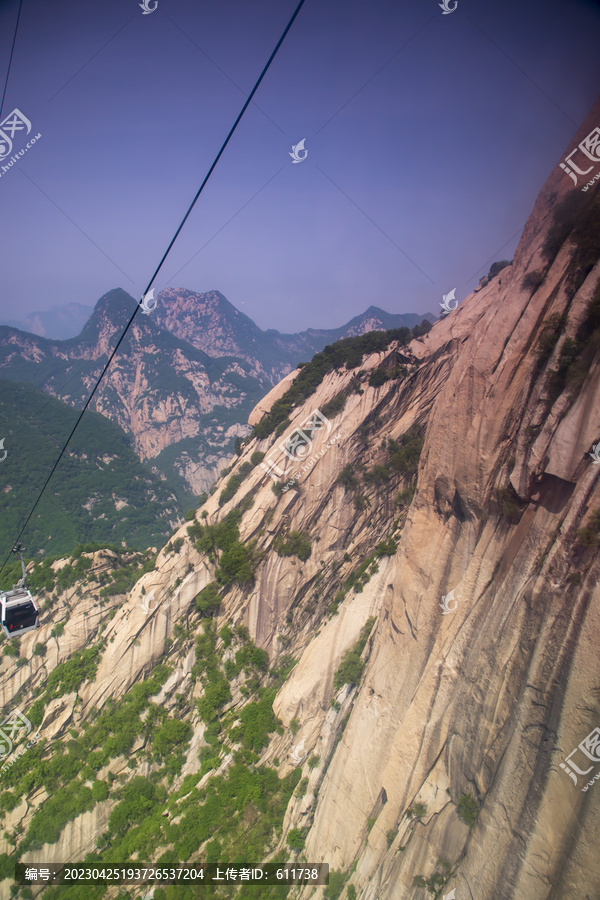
(434, 883)
(238, 560)
(416, 811)
(64, 773)
(357, 579)
(348, 479)
(510, 504)
(337, 881)
(296, 544)
(138, 799)
(577, 219)
(382, 374)
(62, 807)
(296, 838)
(280, 672)
(533, 279)
(348, 352)
(238, 478)
(589, 535)
(576, 354)
(236, 816)
(237, 565)
(468, 809)
(209, 600)
(171, 736)
(258, 721)
(65, 678)
(351, 667)
(495, 269)
(126, 575)
(549, 336)
(334, 407)
(207, 666)
(403, 459)
(240, 813)
(128, 569)
(251, 658)
(405, 453)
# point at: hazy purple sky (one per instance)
(428, 138)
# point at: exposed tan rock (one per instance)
(274, 394)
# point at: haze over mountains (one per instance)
(185, 379)
(61, 322)
(211, 323)
(58, 322)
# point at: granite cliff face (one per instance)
(488, 699)
(448, 501)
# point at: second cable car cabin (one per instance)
(19, 612)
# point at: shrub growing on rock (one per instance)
(297, 544)
(468, 809)
(208, 600)
(351, 667)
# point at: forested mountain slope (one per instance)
(100, 491)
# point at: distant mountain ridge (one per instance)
(212, 324)
(57, 323)
(185, 379)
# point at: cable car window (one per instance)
(22, 616)
(18, 610)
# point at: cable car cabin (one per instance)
(18, 612)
